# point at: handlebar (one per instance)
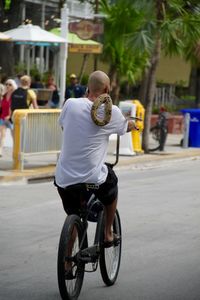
(117, 152)
(134, 118)
(118, 142)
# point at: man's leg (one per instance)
(2, 138)
(110, 215)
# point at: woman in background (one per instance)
(5, 111)
(55, 97)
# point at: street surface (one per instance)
(160, 212)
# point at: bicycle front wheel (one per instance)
(110, 258)
(70, 270)
(155, 137)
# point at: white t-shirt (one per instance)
(84, 146)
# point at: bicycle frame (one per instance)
(95, 248)
(71, 262)
(91, 253)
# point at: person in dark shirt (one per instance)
(36, 83)
(74, 90)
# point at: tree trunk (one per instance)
(150, 94)
(85, 59)
(143, 87)
(192, 82)
(115, 84)
(197, 99)
(151, 88)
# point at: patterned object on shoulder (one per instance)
(107, 101)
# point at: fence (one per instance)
(35, 132)
(165, 95)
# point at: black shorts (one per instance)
(73, 195)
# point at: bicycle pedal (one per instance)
(90, 254)
(117, 242)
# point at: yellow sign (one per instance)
(76, 48)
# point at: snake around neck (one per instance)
(107, 101)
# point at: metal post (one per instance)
(28, 59)
(22, 46)
(41, 47)
(47, 59)
(186, 130)
(63, 53)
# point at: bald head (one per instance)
(99, 83)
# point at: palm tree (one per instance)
(136, 31)
(172, 26)
(121, 20)
(192, 54)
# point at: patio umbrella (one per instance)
(33, 34)
(4, 37)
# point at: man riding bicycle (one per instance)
(84, 149)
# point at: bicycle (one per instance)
(158, 134)
(74, 251)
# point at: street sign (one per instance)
(84, 48)
(86, 29)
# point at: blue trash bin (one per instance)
(194, 130)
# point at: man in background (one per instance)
(24, 97)
(74, 90)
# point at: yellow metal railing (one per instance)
(36, 131)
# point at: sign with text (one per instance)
(76, 48)
(86, 29)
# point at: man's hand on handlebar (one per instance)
(131, 123)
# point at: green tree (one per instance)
(10, 12)
(136, 31)
(121, 19)
(173, 26)
(192, 54)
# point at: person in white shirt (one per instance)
(84, 149)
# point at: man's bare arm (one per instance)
(131, 126)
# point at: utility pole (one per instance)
(96, 12)
(42, 47)
(22, 48)
(63, 52)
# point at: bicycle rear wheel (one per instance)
(155, 138)
(70, 270)
(110, 258)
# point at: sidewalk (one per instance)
(42, 167)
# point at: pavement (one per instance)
(41, 167)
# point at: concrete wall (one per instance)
(173, 70)
(170, 70)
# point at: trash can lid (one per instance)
(193, 111)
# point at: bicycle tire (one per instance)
(155, 138)
(110, 258)
(70, 288)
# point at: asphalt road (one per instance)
(160, 212)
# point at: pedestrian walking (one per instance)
(74, 90)
(5, 111)
(24, 97)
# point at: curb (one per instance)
(45, 174)
(29, 175)
(164, 156)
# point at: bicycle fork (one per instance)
(91, 254)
